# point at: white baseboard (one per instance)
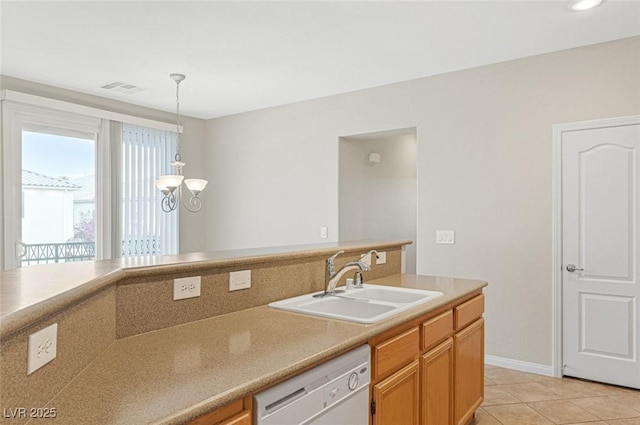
(536, 368)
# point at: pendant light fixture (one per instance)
(171, 185)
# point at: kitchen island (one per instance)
(174, 374)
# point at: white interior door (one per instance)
(600, 289)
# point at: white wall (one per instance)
(484, 170)
(192, 235)
(378, 201)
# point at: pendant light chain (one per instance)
(178, 157)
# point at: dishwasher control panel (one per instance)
(345, 384)
(338, 388)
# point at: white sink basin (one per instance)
(391, 294)
(367, 305)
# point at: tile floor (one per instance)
(518, 398)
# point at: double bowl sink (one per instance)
(368, 304)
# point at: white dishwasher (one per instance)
(334, 393)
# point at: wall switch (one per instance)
(186, 287)
(382, 258)
(324, 232)
(239, 280)
(445, 236)
(41, 348)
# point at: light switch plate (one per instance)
(186, 287)
(382, 258)
(239, 280)
(42, 347)
(445, 236)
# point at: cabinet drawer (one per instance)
(235, 413)
(437, 329)
(469, 311)
(395, 352)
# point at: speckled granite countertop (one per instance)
(176, 374)
(31, 293)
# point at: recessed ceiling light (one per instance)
(580, 5)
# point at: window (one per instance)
(145, 228)
(79, 182)
(58, 194)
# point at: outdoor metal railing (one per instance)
(45, 253)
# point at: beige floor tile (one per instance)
(561, 400)
(598, 389)
(531, 392)
(517, 414)
(533, 377)
(606, 408)
(496, 395)
(484, 418)
(630, 421)
(573, 388)
(562, 412)
(488, 382)
(506, 376)
(631, 399)
(592, 423)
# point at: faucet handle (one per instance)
(331, 268)
(370, 253)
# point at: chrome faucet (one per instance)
(331, 277)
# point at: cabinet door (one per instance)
(469, 371)
(436, 391)
(396, 398)
(241, 419)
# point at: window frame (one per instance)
(19, 108)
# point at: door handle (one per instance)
(572, 268)
(21, 250)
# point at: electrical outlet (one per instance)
(324, 232)
(382, 258)
(42, 348)
(239, 280)
(186, 287)
(445, 236)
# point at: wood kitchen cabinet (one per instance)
(436, 396)
(235, 413)
(469, 371)
(430, 371)
(396, 397)
(395, 378)
(436, 369)
(468, 348)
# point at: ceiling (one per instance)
(240, 56)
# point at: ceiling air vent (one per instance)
(121, 87)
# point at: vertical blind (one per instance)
(146, 229)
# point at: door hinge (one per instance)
(373, 407)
